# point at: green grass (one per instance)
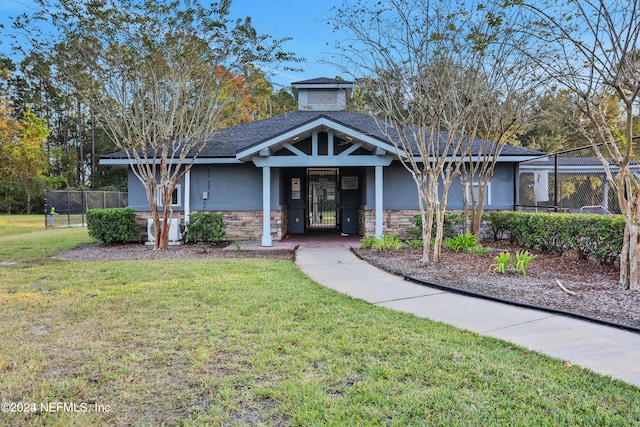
(41, 244)
(18, 224)
(238, 342)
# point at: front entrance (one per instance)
(323, 199)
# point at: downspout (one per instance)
(555, 183)
(187, 197)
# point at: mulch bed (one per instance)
(598, 293)
(101, 251)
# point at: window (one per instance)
(175, 197)
(476, 193)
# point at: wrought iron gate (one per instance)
(323, 199)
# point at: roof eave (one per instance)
(323, 121)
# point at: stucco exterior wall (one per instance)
(227, 187)
(400, 192)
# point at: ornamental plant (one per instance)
(505, 262)
(466, 243)
(502, 262)
(206, 228)
(523, 258)
(117, 225)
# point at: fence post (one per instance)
(68, 210)
(555, 183)
(46, 224)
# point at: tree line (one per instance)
(53, 127)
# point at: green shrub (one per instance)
(112, 225)
(383, 243)
(466, 243)
(414, 243)
(462, 242)
(451, 219)
(598, 236)
(499, 224)
(368, 241)
(388, 242)
(205, 228)
(479, 250)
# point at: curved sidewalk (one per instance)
(606, 350)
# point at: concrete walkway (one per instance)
(608, 351)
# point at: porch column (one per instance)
(187, 196)
(266, 206)
(379, 201)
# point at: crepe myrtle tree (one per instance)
(426, 70)
(160, 77)
(591, 48)
(497, 123)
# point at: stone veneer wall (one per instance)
(241, 225)
(402, 222)
(397, 222)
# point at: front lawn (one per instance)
(231, 342)
(17, 224)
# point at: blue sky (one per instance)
(301, 20)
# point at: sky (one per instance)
(303, 21)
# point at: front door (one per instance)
(322, 199)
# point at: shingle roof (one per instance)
(321, 81)
(229, 141)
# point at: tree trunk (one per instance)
(437, 245)
(476, 223)
(426, 236)
(156, 226)
(163, 237)
(630, 258)
(433, 184)
(93, 148)
(478, 209)
(81, 175)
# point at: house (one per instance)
(320, 168)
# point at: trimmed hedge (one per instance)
(116, 225)
(206, 228)
(598, 236)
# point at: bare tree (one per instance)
(591, 48)
(159, 77)
(497, 123)
(428, 66)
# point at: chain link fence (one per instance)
(571, 181)
(67, 208)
